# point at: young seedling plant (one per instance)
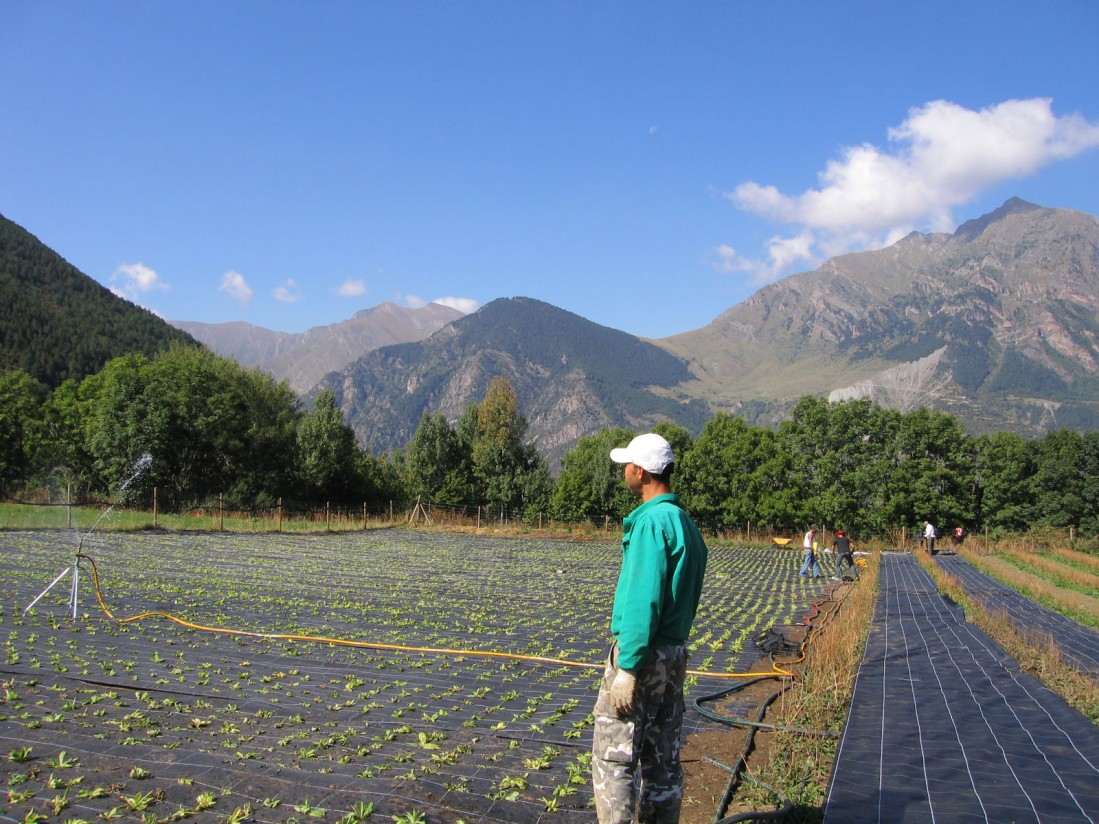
(354, 660)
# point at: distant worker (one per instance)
(929, 536)
(809, 545)
(844, 556)
(959, 535)
(639, 711)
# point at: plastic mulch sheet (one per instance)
(1079, 645)
(101, 720)
(945, 727)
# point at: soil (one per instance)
(709, 756)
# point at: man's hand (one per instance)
(621, 692)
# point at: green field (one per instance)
(292, 677)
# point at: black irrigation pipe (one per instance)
(737, 769)
(742, 760)
(757, 724)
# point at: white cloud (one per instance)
(351, 288)
(941, 156)
(463, 305)
(234, 285)
(134, 279)
(783, 254)
(286, 292)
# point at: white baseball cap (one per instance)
(650, 451)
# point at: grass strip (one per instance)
(799, 765)
(1055, 570)
(1078, 560)
(1068, 601)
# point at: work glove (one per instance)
(621, 692)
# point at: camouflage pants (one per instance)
(636, 760)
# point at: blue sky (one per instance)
(645, 165)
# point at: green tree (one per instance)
(777, 501)
(536, 485)
(506, 470)
(196, 421)
(383, 479)
(117, 426)
(328, 453)
(436, 466)
(67, 416)
(1058, 481)
(933, 472)
(1003, 466)
(21, 400)
(590, 486)
(805, 437)
(202, 419)
(854, 465)
(267, 453)
(718, 476)
(1089, 487)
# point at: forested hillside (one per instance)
(58, 323)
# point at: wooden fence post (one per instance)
(154, 508)
(221, 512)
(278, 510)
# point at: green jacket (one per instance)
(663, 562)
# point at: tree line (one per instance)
(213, 427)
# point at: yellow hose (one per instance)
(775, 670)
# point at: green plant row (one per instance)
(284, 721)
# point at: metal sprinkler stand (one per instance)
(73, 595)
(142, 463)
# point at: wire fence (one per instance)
(220, 512)
(45, 508)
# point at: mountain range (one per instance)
(571, 377)
(303, 358)
(996, 323)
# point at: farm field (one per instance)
(386, 675)
(946, 725)
(1060, 579)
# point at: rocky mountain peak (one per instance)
(1008, 305)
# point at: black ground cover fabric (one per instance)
(1079, 645)
(945, 727)
(102, 719)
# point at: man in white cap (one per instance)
(639, 712)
